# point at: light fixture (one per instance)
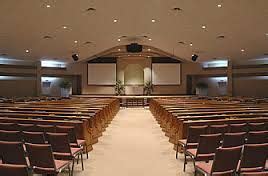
(149, 39)
(48, 6)
(115, 20)
(266, 34)
(204, 27)
(119, 40)
(140, 55)
(153, 20)
(219, 5)
(75, 41)
(64, 27)
(119, 49)
(27, 51)
(242, 50)
(149, 49)
(191, 44)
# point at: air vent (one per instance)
(47, 37)
(182, 43)
(90, 9)
(221, 37)
(177, 9)
(87, 43)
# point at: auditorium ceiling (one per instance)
(38, 29)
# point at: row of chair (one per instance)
(233, 133)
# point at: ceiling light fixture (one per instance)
(64, 27)
(219, 5)
(75, 41)
(149, 49)
(48, 6)
(153, 20)
(119, 49)
(27, 51)
(242, 50)
(149, 39)
(204, 27)
(119, 40)
(115, 20)
(191, 44)
(266, 34)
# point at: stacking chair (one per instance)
(193, 135)
(206, 149)
(42, 160)
(14, 136)
(62, 150)
(256, 126)
(12, 153)
(72, 137)
(218, 129)
(253, 158)
(46, 129)
(34, 137)
(233, 139)
(237, 128)
(225, 162)
(257, 137)
(13, 170)
(8, 126)
(27, 127)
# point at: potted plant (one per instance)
(202, 89)
(65, 86)
(119, 88)
(148, 88)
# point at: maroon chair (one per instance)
(62, 150)
(72, 137)
(218, 129)
(14, 136)
(255, 174)
(8, 126)
(42, 160)
(233, 139)
(225, 162)
(257, 137)
(27, 127)
(238, 128)
(206, 149)
(13, 170)
(253, 158)
(256, 126)
(34, 137)
(12, 153)
(46, 129)
(193, 135)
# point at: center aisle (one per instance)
(133, 145)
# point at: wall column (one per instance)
(38, 78)
(230, 78)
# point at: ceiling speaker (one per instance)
(75, 57)
(134, 48)
(194, 57)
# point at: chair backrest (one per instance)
(254, 157)
(216, 129)
(256, 126)
(27, 127)
(236, 128)
(254, 174)
(59, 142)
(8, 126)
(46, 128)
(12, 153)
(68, 129)
(34, 137)
(257, 137)
(41, 156)
(194, 133)
(208, 143)
(222, 162)
(13, 170)
(14, 136)
(233, 139)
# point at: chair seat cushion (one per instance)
(60, 164)
(204, 167)
(81, 142)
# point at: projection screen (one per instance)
(166, 74)
(101, 74)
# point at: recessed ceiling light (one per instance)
(119, 49)
(266, 34)
(27, 51)
(149, 39)
(64, 27)
(191, 44)
(119, 40)
(115, 20)
(48, 6)
(128, 55)
(148, 56)
(242, 50)
(153, 20)
(75, 41)
(219, 5)
(149, 49)
(140, 55)
(204, 27)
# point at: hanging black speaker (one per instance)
(194, 57)
(75, 57)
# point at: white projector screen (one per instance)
(166, 74)
(101, 74)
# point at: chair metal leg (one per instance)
(69, 169)
(185, 162)
(73, 167)
(77, 161)
(82, 162)
(177, 149)
(86, 150)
